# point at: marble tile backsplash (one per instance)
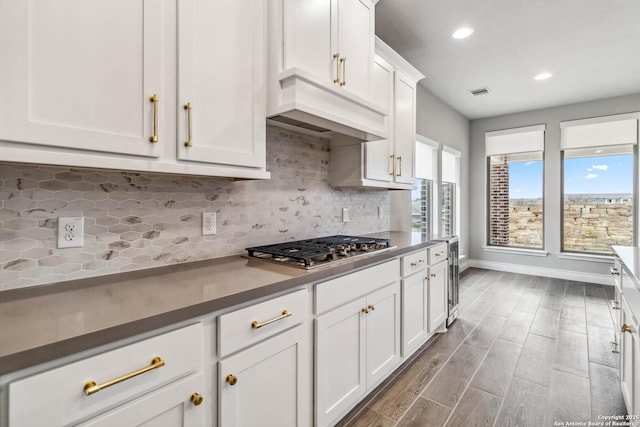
(140, 220)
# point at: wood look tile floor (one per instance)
(525, 351)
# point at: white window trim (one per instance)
(586, 257)
(516, 251)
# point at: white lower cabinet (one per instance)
(143, 381)
(437, 295)
(267, 384)
(357, 345)
(415, 312)
(629, 360)
(176, 405)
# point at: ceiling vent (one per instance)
(478, 92)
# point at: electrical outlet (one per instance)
(208, 223)
(70, 232)
(380, 215)
(345, 215)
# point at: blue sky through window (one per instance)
(583, 175)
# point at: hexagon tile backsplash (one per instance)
(140, 220)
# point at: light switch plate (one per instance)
(345, 215)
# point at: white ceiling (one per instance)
(592, 48)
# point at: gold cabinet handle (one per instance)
(418, 262)
(433, 275)
(187, 107)
(372, 307)
(439, 253)
(626, 328)
(196, 398)
(154, 99)
(615, 305)
(231, 379)
(344, 70)
(91, 387)
(400, 166)
(614, 347)
(393, 165)
(365, 310)
(614, 271)
(285, 313)
(335, 58)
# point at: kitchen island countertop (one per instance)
(46, 322)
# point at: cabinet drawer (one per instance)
(236, 330)
(437, 253)
(413, 262)
(338, 291)
(58, 397)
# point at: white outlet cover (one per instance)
(345, 215)
(70, 232)
(209, 223)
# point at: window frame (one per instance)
(634, 209)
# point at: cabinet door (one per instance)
(221, 76)
(340, 360)
(627, 366)
(171, 406)
(383, 333)
(404, 128)
(378, 160)
(272, 385)
(354, 32)
(307, 38)
(81, 74)
(415, 320)
(437, 294)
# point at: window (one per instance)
(422, 196)
(598, 158)
(515, 183)
(449, 192)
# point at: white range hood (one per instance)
(320, 71)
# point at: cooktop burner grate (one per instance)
(311, 252)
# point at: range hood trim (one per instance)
(304, 98)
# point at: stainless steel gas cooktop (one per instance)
(312, 253)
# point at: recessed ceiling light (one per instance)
(462, 33)
(542, 76)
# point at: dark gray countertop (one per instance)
(43, 323)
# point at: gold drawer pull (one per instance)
(365, 310)
(626, 328)
(615, 305)
(344, 71)
(154, 99)
(393, 165)
(91, 387)
(418, 262)
(188, 107)
(614, 271)
(433, 275)
(399, 166)
(335, 58)
(285, 313)
(231, 379)
(197, 399)
(439, 253)
(372, 307)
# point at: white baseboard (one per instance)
(602, 279)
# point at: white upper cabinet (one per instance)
(331, 40)
(385, 163)
(80, 74)
(321, 63)
(172, 86)
(221, 111)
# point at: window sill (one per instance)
(586, 257)
(516, 251)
